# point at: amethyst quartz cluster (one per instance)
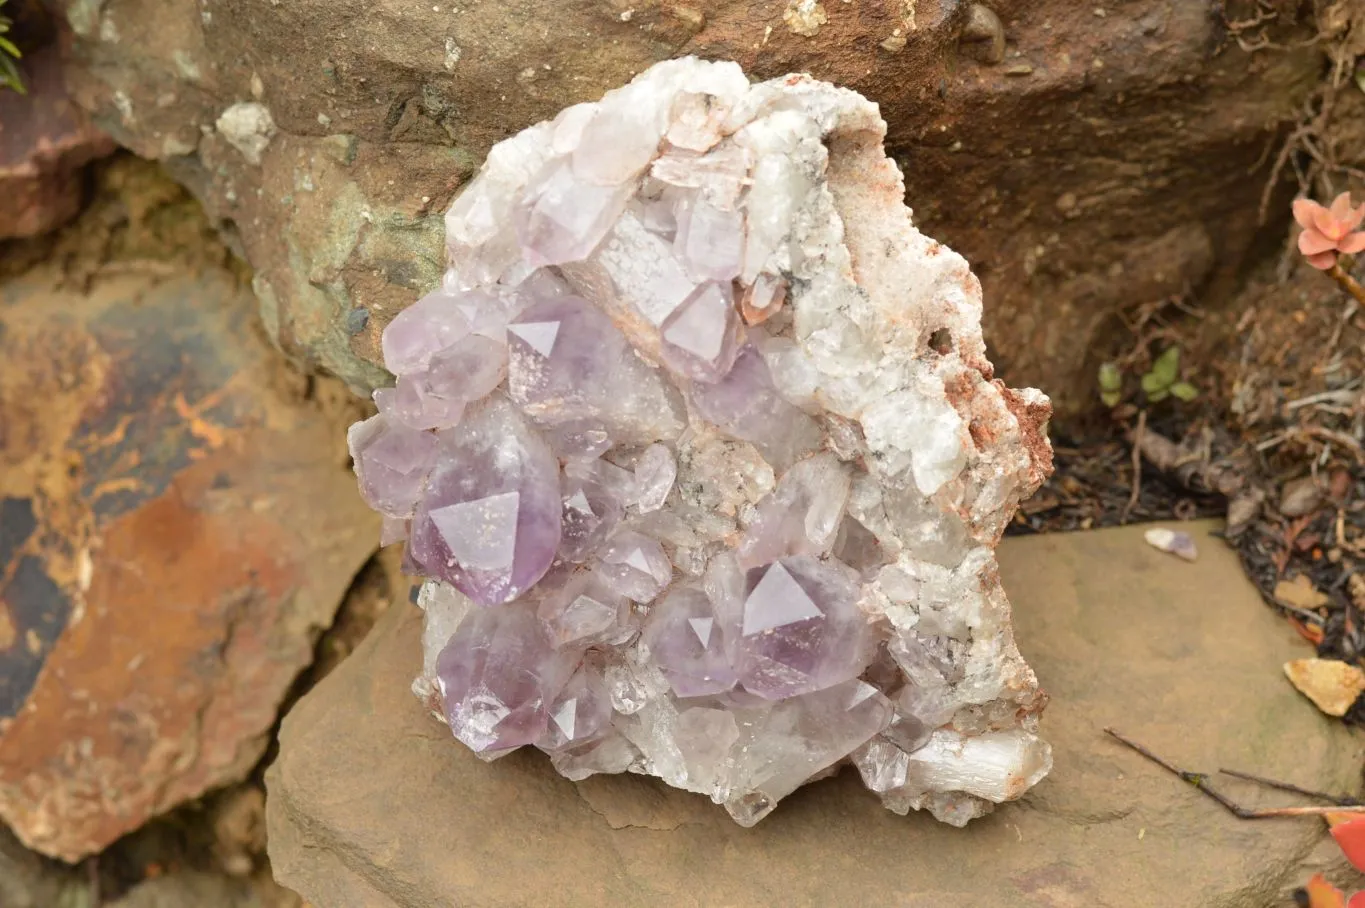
(699, 451)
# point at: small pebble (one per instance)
(356, 320)
(1176, 542)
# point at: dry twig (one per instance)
(1200, 781)
(1193, 470)
(1340, 801)
(1137, 467)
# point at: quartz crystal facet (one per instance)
(699, 451)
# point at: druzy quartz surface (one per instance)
(694, 492)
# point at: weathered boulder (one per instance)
(45, 140)
(177, 523)
(371, 804)
(1102, 159)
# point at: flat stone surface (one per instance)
(177, 524)
(372, 804)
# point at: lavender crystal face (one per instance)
(694, 493)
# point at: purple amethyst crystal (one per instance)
(800, 628)
(566, 217)
(498, 678)
(391, 461)
(569, 363)
(746, 405)
(580, 713)
(687, 641)
(693, 492)
(586, 611)
(700, 338)
(591, 512)
(635, 566)
(418, 332)
(490, 520)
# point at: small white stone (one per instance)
(248, 127)
(1176, 542)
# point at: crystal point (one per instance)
(801, 629)
(682, 636)
(498, 678)
(490, 521)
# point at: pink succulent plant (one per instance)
(1329, 231)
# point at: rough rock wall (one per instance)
(1101, 154)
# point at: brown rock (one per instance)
(190, 888)
(177, 523)
(371, 803)
(45, 141)
(1150, 123)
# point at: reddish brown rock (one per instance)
(45, 141)
(179, 522)
(1101, 162)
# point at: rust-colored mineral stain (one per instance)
(754, 315)
(7, 633)
(211, 595)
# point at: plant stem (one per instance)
(1348, 283)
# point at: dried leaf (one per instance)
(1242, 509)
(1322, 894)
(1356, 585)
(1332, 686)
(1299, 497)
(1300, 593)
(1348, 829)
(1310, 632)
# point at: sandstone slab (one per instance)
(1093, 162)
(177, 523)
(371, 804)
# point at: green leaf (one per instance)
(1167, 366)
(9, 75)
(1111, 398)
(8, 47)
(1159, 394)
(1152, 383)
(1110, 377)
(1183, 390)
